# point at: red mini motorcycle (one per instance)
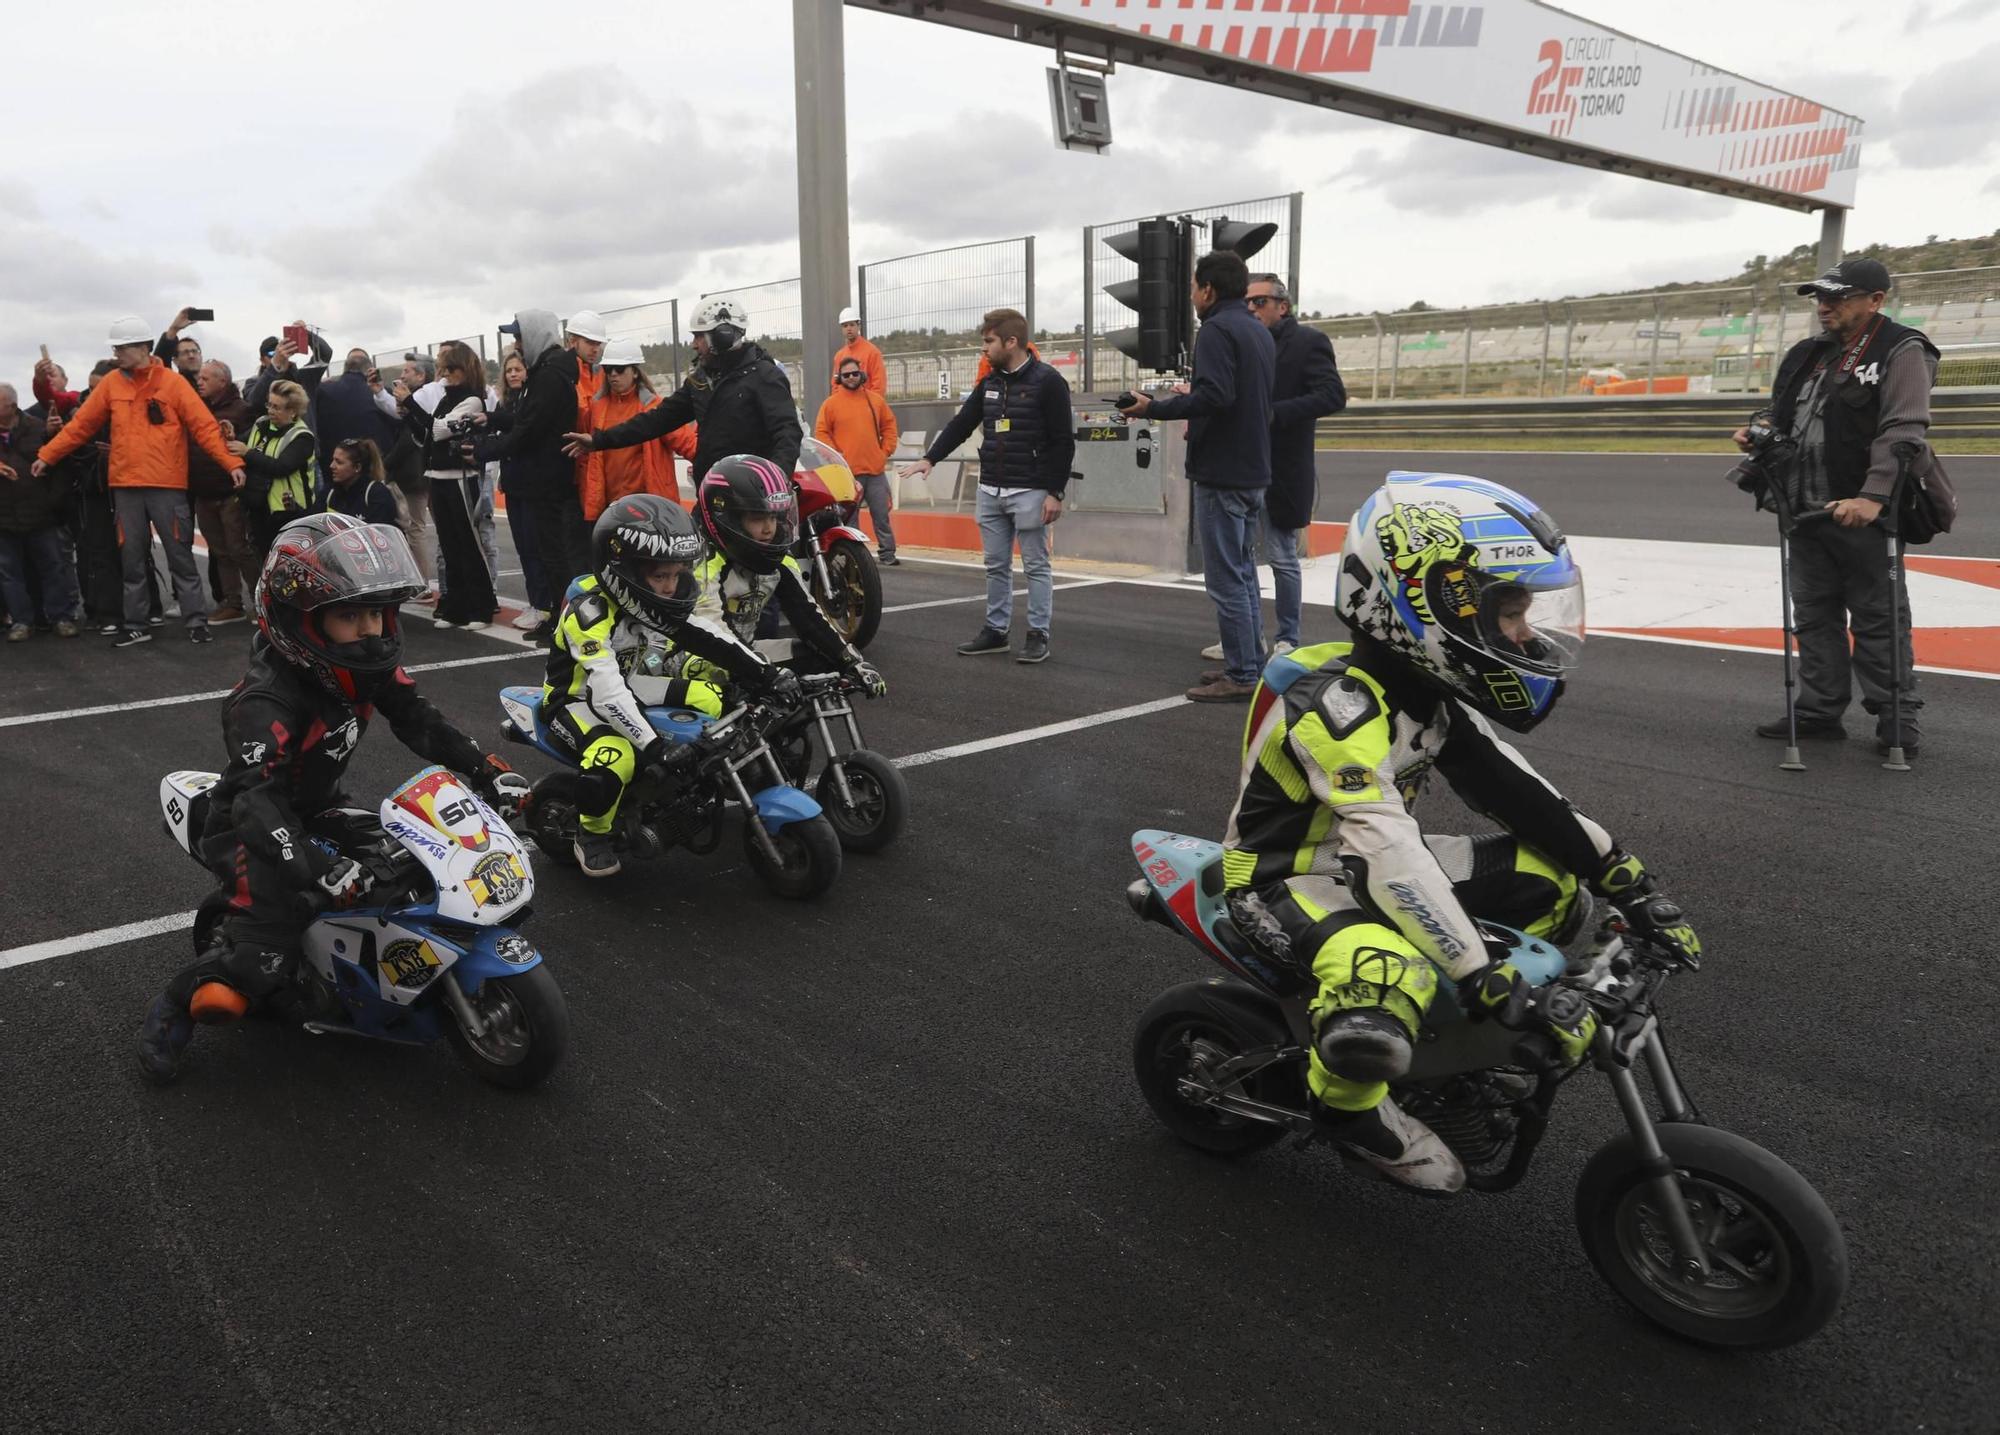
(845, 577)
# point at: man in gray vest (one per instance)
(1845, 398)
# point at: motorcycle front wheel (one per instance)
(527, 1028)
(809, 854)
(855, 602)
(881, 801)
(1207, 1023)
(1777, 1261)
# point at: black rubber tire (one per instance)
(539, 1008)
(1787, 1236)
(812, 858)
(882, 801)
(552, 821)
(1226, 1014)
(850, 566)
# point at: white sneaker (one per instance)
(475, 627)
(1213, 652)
(1403, 1149)
(443, 623)
(1281, 647)
(530, 618)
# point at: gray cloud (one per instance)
(1950, 115)
(64, 292)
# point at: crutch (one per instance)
(1899, 596)
(1786, 523)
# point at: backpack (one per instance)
(1926, 501)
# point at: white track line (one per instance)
(181, 921)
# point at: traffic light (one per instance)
(1161, 250)
(1238, 237)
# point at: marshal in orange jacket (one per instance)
(861, 425)
(610, 474)
(145, 452)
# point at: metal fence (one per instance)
(923, 310)
(657, 327)
(1107, 368)
(774, 322)
(1700, 341)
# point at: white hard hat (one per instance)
(586, 324)
(720, 311)
(850, 315)
(130, 330)
(622, 351)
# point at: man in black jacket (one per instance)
(1846, 398)
(1228, 409)
(541, 475)
(1029, 445)
(737, 396)
(1306, 389)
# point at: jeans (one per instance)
(55, 575)
(1226, 519)
(521, 525)
(1002, 523)
(1841, 584)
(1281, 547)
(875, 488)
(164, 511)
(482, 521)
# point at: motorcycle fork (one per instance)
(733, 771)
(830, 707)
(1614, 1058)
(821, 571)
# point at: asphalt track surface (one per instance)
(879, 1163)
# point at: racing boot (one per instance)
(596, 854)
(1365, 1044)
(163, 1039)
(1400, 1147)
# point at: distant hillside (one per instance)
(1803, 262)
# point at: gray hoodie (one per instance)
(540, 332)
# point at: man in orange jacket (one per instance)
(153, 413)
(861, 425)
(861, 351)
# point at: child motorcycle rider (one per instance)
(1465, 606)
(326, 659)
(749, 510)
(638, 595)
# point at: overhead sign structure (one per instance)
(1513, 73)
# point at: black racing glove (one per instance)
(870, 678)
(1653, 916)
(781, 685)
(1496, 992)
(660, 757)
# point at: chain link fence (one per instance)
(923, 310)
(1702, 341)
(774, 322)
(1105, 368)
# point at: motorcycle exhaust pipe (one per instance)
(1146, 904)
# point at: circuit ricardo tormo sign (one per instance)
(1524, 67)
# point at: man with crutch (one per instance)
(1842, 400)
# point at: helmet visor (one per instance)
(367, 563)
(1532, 627)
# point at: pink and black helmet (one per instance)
(736, 488)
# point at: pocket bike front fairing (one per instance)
(787, 838)
(1704, 1232)
(430, 949)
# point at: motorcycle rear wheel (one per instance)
(1778, 1262)
(552, 822)
(1211, 1019)
(527, 1029)
(855, 604)
(881, 801)
(810, 853)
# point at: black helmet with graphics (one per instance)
(632, 533)
(330, 560)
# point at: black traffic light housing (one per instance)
(1158, 295)
(1239, 237)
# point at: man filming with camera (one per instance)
(1841, 402)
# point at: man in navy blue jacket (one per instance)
(1228, 409)
(1022, 407)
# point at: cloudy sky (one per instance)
(409, 173)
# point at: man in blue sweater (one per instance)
(1228, 409)
(1022, 408)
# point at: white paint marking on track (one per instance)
(88, 941)
(181, 921)
(1034, 734)
(27, 719)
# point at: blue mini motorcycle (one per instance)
(787, 838)
(1703, 1232)
(430, 950)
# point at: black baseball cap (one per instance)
(269, 346)
(1850, 276)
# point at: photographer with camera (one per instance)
(1841, 402)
